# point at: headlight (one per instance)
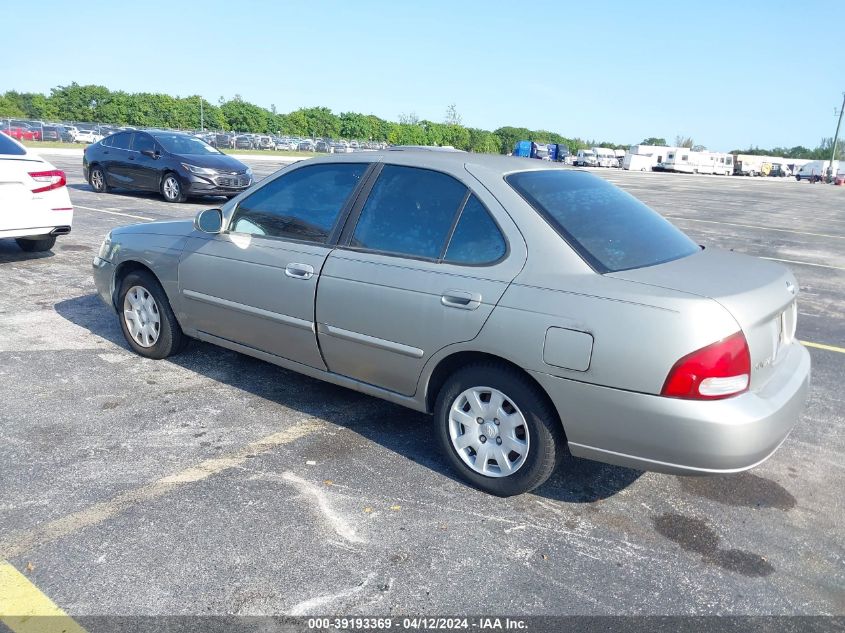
(249, 172)
(106, 252)
(199, 171)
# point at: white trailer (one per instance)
(605, 157)
(686, 161)
(644, 157)
(620, 156)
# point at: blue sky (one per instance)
(727, 73)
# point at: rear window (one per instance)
(608, 227)
(9, 147)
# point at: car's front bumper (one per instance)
(104, 280)
(206, 186)
(677, 436)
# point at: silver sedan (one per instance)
(528, 307)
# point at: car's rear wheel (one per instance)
(497, 429)
(146, 318)
(171, 188)
(36, 245)
(97, 180)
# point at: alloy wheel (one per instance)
(171, 188)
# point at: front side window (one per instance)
(143, 142)
(409, 212)
(120, 141)
(301, 205)
(607, 226)
(476, 240)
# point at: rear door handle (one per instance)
(299, 271)
(461, 299)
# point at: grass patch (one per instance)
(272, 152)
(55, 144)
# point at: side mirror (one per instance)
(149, 152)
(209, 221)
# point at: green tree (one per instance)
(508, 136)
(8, 108)
(320, 122)
(245, 117)
(654, 140)
(408, 134)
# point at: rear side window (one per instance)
(476, 240)
(301, 205)
(9, 147)
(608, 227)
(409, 212)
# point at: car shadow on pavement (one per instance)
(401, 430)
(148, 195)
(10, 252)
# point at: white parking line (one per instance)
(754, 226)
(126, 215)
(795, 261)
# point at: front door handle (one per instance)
(461, 299)
(299, 271)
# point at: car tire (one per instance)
(533, 426)
(146, 318)
(36, 245)
(171, 188)
(97, 180)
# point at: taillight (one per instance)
(51, 179)
(720, 370)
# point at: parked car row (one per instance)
(231, 140)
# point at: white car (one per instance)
(34, 203)
(87, 136)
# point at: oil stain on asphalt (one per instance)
(743, 489)
(694, 535)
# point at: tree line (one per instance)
(98, 104)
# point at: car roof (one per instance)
(445, 160)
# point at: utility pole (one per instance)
(835, 139)
(202, 120)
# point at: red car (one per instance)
(21, 133)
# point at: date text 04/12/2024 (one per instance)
(416, 624)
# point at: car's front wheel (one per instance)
(497, 429)
(36, 244)
(97, 180)
(171, 188)
(146, 318)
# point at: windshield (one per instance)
(181, 144)
(608, 227)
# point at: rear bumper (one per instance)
(676, 436)
(37, 231)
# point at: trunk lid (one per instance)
(759, 294)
